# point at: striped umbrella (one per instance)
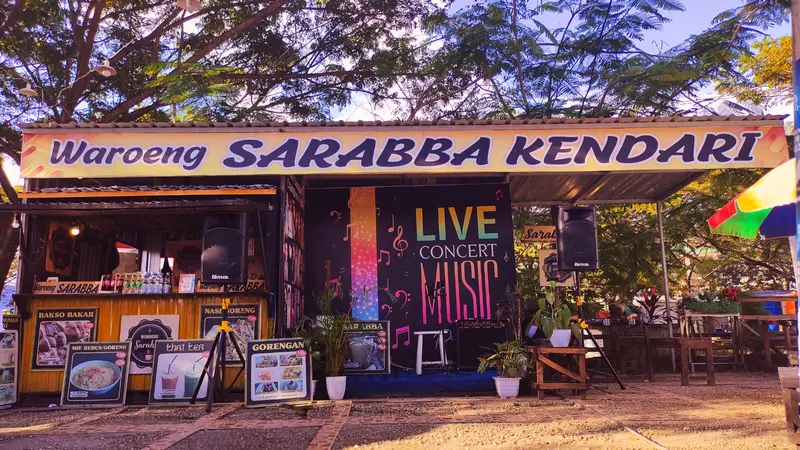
(765, 208)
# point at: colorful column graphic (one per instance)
(362, 232)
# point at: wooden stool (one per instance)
(576, 381)
(686, 345)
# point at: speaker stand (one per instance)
(586, 332)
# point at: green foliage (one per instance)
(552, 314)
(332, 333)
(718, 307)
(509, 359)
(767, 71)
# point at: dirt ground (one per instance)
(743, 411)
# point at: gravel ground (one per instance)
(105, 441)
(280, 413)
(147, 416)
(47, 418)
(283, 439)
(521, 406)
(567, 433)
(414, 408)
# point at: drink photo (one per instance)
(169, 384)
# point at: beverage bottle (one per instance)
(139, 279)
(147, 285)
(126, 284)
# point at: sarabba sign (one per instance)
(133, 153)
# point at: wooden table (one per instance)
(789, 385)
(788, 319)
(686, 345)
(540, 356)
(729, 340)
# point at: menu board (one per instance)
(368, 352)
(9, 369)
(277, 370)
(245, 319)
(12, 322)
(96, 374)
(177, 369)
(57, 328)
(143, 332)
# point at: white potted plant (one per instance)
(554, 318)
(511, 363)
(333, 341)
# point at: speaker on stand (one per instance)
(576, 234)
(224, 258)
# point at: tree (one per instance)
(769, 73)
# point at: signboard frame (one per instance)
(5, 365)
(35, 366)
(371, 329)
(130, 325)
(261, 353)
(199, 363)
(75, 351)
(213, 318)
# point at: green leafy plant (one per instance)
(719, 307)
(331, 329)
(554, 315)
(509, 359)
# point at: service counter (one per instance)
(110, 310)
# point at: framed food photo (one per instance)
(278, 370)
(9, 367)
(96, 374)
(177, 369)
(368, 348)
(245, 319)
(56, 329)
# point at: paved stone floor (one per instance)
(744, 411)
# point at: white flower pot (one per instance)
(507, 387)
(532, 331)
(336, 387)
(313, 388)
(561, 338)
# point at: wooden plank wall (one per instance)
(111, 309)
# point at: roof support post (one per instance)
(659, 210)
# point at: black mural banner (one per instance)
(444, 253)
(96, 374)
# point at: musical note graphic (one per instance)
(506, 258)
(348, 231)
(499, 194)
(400, 331)
(387, 286)
(378, 211)
(406, 297)
(341, 271)
(406, 315)
(405, 274)
(450, 333)
(399, 243)
(388, 257)
(387, 307)
(391, 228)
(337, 214)
(335, 284)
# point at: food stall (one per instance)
(414, 215)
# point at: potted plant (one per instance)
(333, 327)
(511, 363)
(554, 318)
(312, 336)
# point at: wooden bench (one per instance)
(686, 345)
(540, 356)
(789, 385)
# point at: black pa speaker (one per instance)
(224, 258)
(576, 233)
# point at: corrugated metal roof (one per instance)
(146, 188)
(406, 123)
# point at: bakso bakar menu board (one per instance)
(177, 369)
(277, 370)
(96, 374)
(57, 328)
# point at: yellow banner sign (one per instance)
(545, 233)
(139, 153)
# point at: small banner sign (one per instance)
(143, 332)
(56, 329)
(96, 374)
(66, 287)
(278, 370)
(9, 366)
(245, 319)
(368, 352)
(12, 322)
(177, 369)
(535, 233)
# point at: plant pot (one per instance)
(561, 338)
(506, 387)
(532, 331)
(336, 387)
(313, 388)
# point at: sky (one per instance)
(696, 17)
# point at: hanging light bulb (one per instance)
(15, 223)
(74, 231)
(191, 6)
(105, 69)
(28, 91)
